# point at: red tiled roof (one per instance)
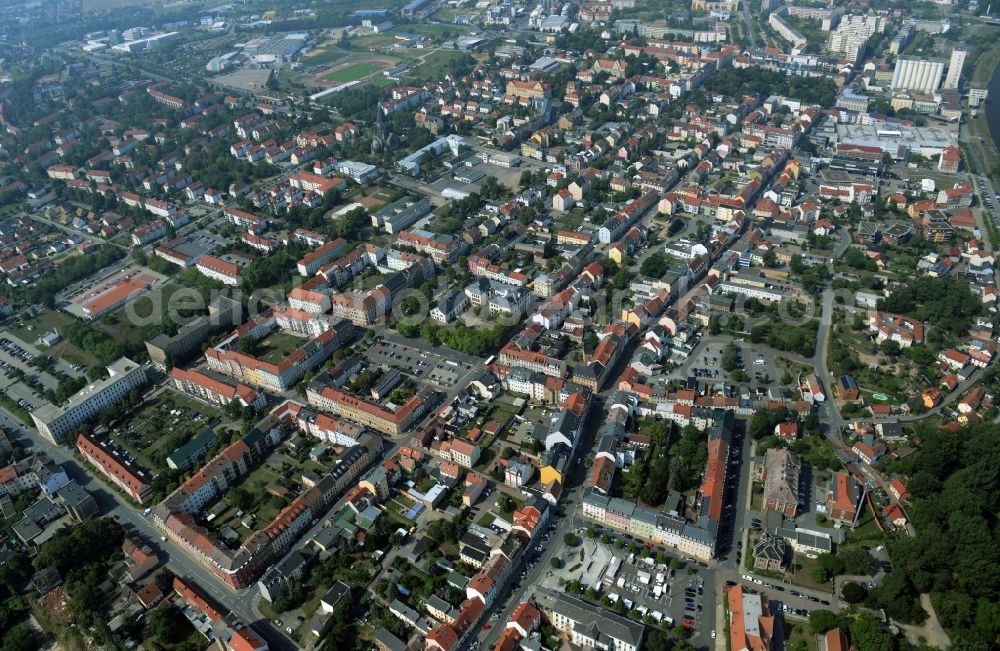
(195, 599)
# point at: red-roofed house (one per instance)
(899, 490)
(464, 453)
(246, 640)
(949, 160)
(787, 431)
(972, 400)
(868, 453)
(954, 359)
(525, 619)
(894, 513)
(842, 498)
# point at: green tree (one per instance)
(853, 593)
(854, 561)
(19, 638)
(169, 625)
(729, 360)
(821, 621)
(654, 266)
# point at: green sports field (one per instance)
(352, 72)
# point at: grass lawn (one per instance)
(327, 53)
(571, 221)
(803, 576)
(373, 41)
(150, 306)
(798, 637)
(867, 530)
(793, 368)
(266, 511)
(371, 281)
(486, 520)
(352, 72)
(435, 30)
(756, 496)
(278, 346)
(148, 310)
(396, 509)
(434, 65)
(44, 322)
(69, 353)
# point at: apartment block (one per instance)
(280, 376)
(116, 465)
(54, 423)
(589, 626)
(781, 481)
(165, 350)
(177, 515)
(216, 389)
(369, 414)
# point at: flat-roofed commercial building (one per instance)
(165, 350)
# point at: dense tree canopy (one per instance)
(737, 82)
(70, 270)
(955, 555)
(86, 542)
(799, 339)
(654, 266)
(91, 340)
(940, 302)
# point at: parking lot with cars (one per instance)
(426, 365)
(13, 360)
(705, 364)
(655, 588)
(14, 350)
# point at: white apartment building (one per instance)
(54, 423)
(591, 627)
(955, 65)
(225, 272)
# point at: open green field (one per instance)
(381, 82)
(325, 54)
(396, 509)
(434, 30)
(70, 354)
(148, 310)
(278, 346)
(430, 65)
(352, 72)
(46, 320)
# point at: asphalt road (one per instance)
(833, 420)
(572, 494)
(113, 505)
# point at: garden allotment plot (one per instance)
(162, 426)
